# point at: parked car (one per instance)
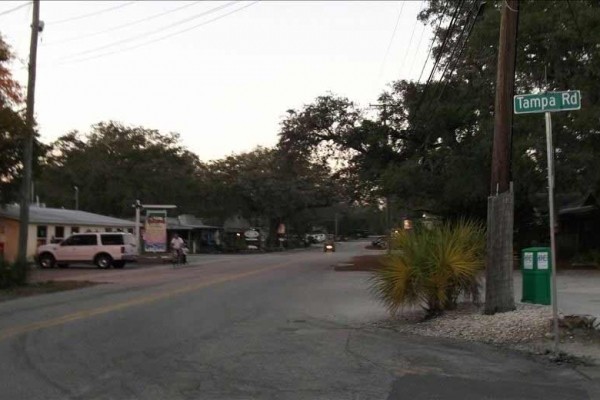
(103, 249)
(380, 242)
(318, 237)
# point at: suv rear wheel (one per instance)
(46, 260)
(103, 261)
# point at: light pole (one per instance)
(76, 197)
(138, 206)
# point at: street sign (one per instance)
(547, 102)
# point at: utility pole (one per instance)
(36, 27)
(336, 225)
(388, 218)
(76, 197)
(499, 292)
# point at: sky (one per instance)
(221, 74)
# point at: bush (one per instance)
(432, 267)
(12, 274)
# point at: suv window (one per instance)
(81, 240)
(111, 240)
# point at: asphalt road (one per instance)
(276, 326)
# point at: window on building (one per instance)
(75, 229)
(42, 231)
(59, 232)
(42, 234)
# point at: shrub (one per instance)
(432, 267)
(12, 274)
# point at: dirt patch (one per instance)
(37, 288)
(361, 263)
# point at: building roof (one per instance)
(61, 216)
(184, 222)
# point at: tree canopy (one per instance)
(12, 127)
(114, 164)
(430, 146)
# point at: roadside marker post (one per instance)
(547, 103)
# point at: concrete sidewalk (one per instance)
(578, 291)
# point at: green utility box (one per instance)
(536, 266)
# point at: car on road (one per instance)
(329, 244)
(104, 249)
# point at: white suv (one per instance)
(102, 249)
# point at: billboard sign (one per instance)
(155, 231)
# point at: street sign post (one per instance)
(548, 103)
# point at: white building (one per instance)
(46, 224)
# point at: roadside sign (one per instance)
(547, 102)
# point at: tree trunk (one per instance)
(499, 295)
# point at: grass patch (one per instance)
(34, 289)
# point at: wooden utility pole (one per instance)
(388, 218)
(499, 292)
(36, 27)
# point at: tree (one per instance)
(113, 165)
(12, 128)
(10, 91)
(435, 148)
(266, 184)
(553, 53)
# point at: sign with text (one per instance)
(155, 232)
(542, 260)
(528, 261)
(547, 102)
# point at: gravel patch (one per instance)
(527, 323)
(527, 329)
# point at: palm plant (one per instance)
(432, 267)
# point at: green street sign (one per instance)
(547, 102)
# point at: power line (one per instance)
(127, 25)
(443, 46)
(462, 49)
(15, 8)
(412, 65)
(387, 52)
(92, 14)
(163, 37)
(409, 43)
(459, 39)
(133, 38)
(433, 41)
(441, 51)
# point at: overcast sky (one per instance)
(224, 85)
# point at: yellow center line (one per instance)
(79, 315)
